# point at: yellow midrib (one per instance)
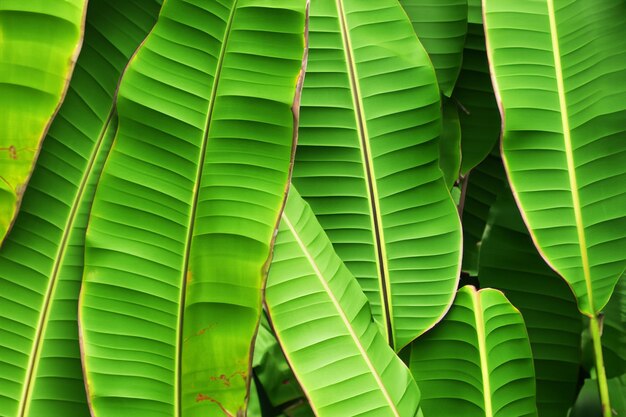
(370, 177)
(571, 167)
(482, 350)
(342, 315)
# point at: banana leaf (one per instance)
(559, 68)
(367, 162)
(185, 212)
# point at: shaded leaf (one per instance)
(441, 26)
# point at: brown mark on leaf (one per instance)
(11, 150)
(189, 276)
(226, 380)
(286, 382)
(201, 397)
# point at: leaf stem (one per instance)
(603, 387)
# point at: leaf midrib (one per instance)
(370, 178)
(192, 214)
(571, 167)
(341, 314)
(482, 350)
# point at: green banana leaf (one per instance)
(450, 143)
(509, 262)
(41, 261)
(483, 185)
(564, 140)
(441, 26)
(479, 117)
(39, 44)
(477, 362)
(367, 162)
(183, 220)
(324, 325)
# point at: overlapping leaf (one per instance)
(41, 260)
(479, 118)
(477, 362)
(483, 186)
(450, 143)
(367, 162)
(509, 262)
(39, 44)
(560, 71)
(183, 219)
(323, 322)
(272, 370)
(441, 26)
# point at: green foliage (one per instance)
(161, 264)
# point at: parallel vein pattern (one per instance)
(564, 142)
(183, 219)
(477, 362)
(316, 306)
(367, 162)
(41, 261)
(39, 44)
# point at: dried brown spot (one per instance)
(12, 152)
(286, 382)
(201, 397)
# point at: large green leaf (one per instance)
(509, 262)
(367, 162)
(323, 322)
(41, 260)
(441, 26)
(39, 44)
(560, 72)
(477, 362)
(186, 209)
(480, 121)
